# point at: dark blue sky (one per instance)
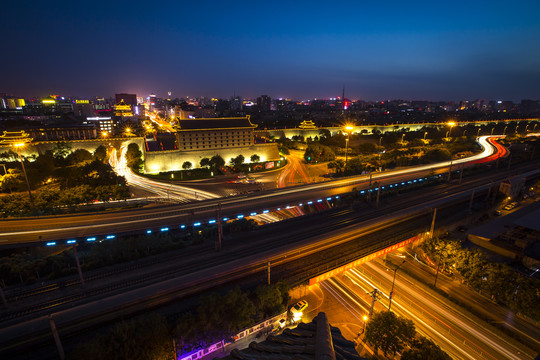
(429, 50)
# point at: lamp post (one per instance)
(425, 133)
(393, 283)
(348, 130)
(504, 131)
(451, 124)
(365, 321)
(402, 138)
(478, 132)
(493, 128)
(18, 146)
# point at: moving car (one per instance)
(299, 307)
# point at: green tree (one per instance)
(61, 150)
(217, 162)
(12, 181)
(367, 148)
(100, 153)
(205, 162)
(422, 349)
(255, 158)
(389, 333)
(324, 134)
(269, 301)
(78, 156)
(220, 317)
(147, 337)
(134, 157)
(187, 165)
(317, 153)
(436, 155)
(237, 161)
(45, 164)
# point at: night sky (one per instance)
(424, 50)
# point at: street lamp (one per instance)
(18, 146)
(348, 130)
(493, 128)
(451, 124)
(425, 133)
(478, 132)
(393, 283)
(365, 321)
(402, 137)
(504, 131)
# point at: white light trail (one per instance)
(167, 191)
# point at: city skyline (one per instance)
(302, 51)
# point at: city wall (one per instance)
(368, 129)
(157, 161)
(37, 148)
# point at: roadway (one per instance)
(460, 334)
(219, 268)
(82, 226)
(170, 191)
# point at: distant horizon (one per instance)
(431, 51)
(172, 97)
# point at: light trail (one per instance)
(37, 227)
(488, 149)
(343, 301)
(294, 166)
(167, 191)
(451, 346)
(431, 306)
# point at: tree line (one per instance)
(216, 317)
(498, 281)
(29, 267)
(60, 179)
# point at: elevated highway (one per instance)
(139, 221)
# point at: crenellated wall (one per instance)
(368, 129)
(157, 161)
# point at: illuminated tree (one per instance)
(134, 157)
(100, 153)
